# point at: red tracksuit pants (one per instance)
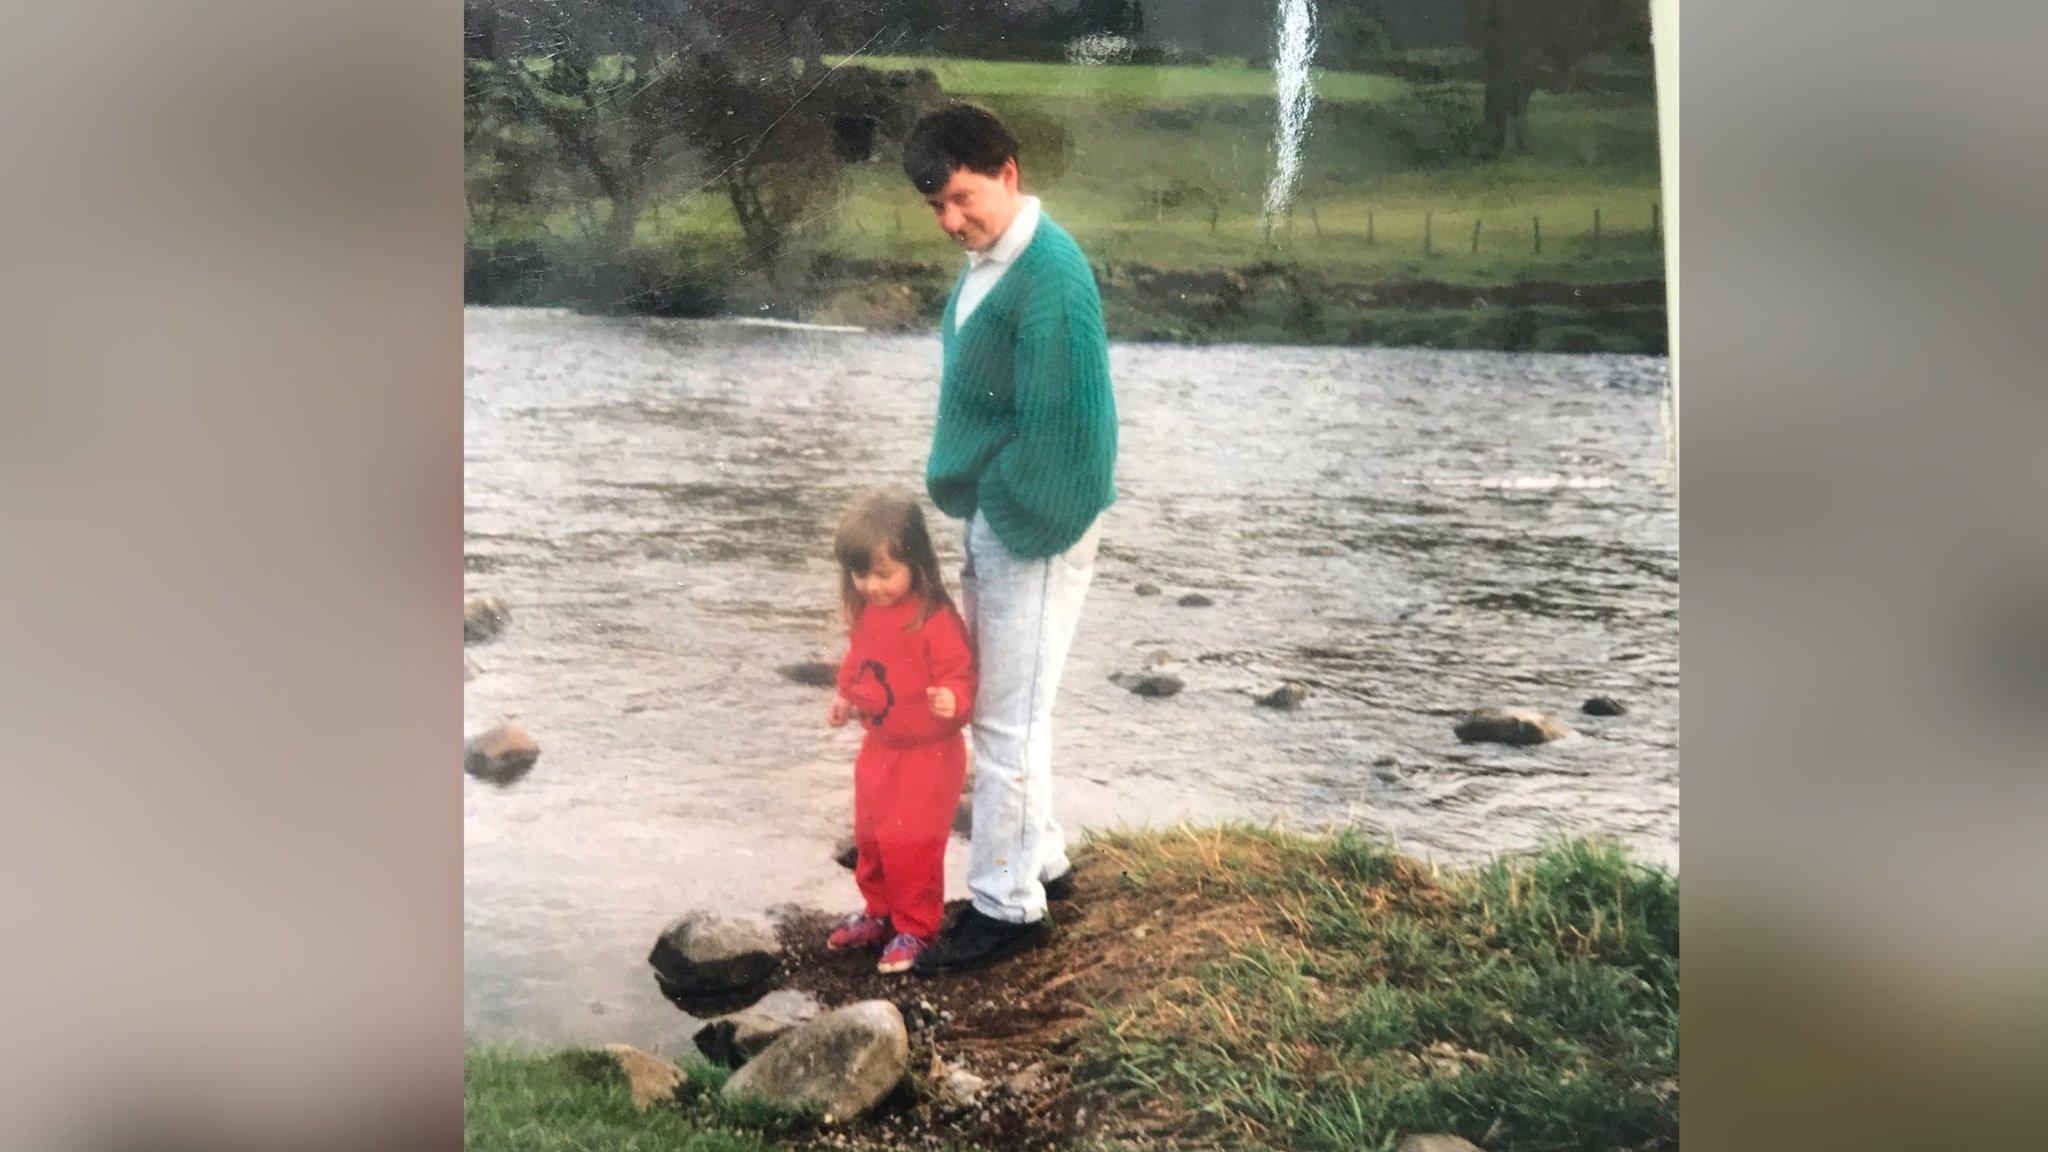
(904, 797)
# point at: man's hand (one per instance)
(942, 702)
(841, 711)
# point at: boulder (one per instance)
(1286, 697)
(706, 964)
(1195, 600)
(1147, 589)
(811, 673)
(1435, 1142)
(483, 617)
(1603, 706)
(1154, 686)
(846, 852)
(501, 755)
(733, 1040)
(1518, 726)
(842, 1063)
(653, 1080)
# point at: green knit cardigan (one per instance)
(1026, 431)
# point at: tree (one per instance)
(1517, 37)
(631, 92)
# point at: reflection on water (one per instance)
(1408, 533)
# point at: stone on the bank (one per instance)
(1286, 697)
(1196, 600)
(842, 1063)
(1603, 706)
(501, 755)
(811, 673)
(483, 617)
(706, 964)
(1154, 686)
(959, 1085)
(654, 1080)
(733, 1040)
(1147, 589)
(1435, 1142)
(1517, 726)
(1027, 1082)
(846, 852)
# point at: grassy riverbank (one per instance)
(1160, 172)
(1238, 988)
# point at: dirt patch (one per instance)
(1015, 1024)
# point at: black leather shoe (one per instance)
(976, 940)
(1060, 887)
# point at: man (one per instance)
(1023, 451)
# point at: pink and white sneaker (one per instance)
(860, 931)
(901, 953)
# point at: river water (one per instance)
(1409, 533)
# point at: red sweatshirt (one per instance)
(889, 664)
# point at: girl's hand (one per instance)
(942, 702)
(840, 712)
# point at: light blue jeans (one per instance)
(1021, 614)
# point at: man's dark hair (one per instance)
(956, 136)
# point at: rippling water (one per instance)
(1409, 533)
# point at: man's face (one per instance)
(975, 209)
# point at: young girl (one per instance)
(908, 677)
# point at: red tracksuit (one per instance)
(906, 781)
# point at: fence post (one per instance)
(1536, 230)
(1316, 221)
(1475, 237)
(1371, 241)
(1596, 228)
(1656, 224)
(1428, 230)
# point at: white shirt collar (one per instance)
(1014, 239)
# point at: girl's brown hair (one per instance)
(894, 521)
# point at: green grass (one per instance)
(1292, 992)
(1530, 1004)
(575, 1100)
(1148, 149)
(1166, 167)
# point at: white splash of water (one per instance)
(1292, 53)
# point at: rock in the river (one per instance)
(1286, 697)
(846, 852)
(501, 755)
(1603, 706)
(1195, 600)
(1154, 686)
(483, 617)
(706, 964)
(1147, 589)
(811, 673)
(654, 1080)
(733, 1040)
(1518, 726)
(842, 1063)
(1435, 1142)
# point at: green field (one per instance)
(1165, 167)
(1292, 992)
